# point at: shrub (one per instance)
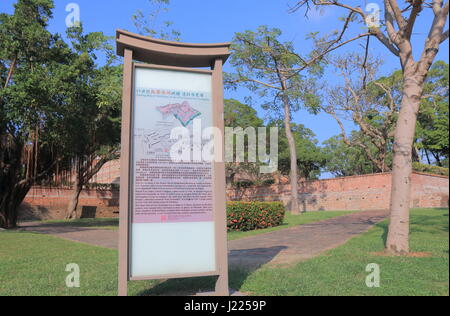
(420, 167)
(243, 184)
(268, 182)
(245, 216)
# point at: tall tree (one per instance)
(272, 69)
(239, 115)
(359, 153)
(31, 99)
(371, 103)
(395, 33)
(310, 157)
(93, 110)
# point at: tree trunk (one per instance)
(428, 157)
(295, 208)
(416, 153)
(10, 72)
(71, 212)
(437, 158)
(13, 188)
(398, 236)
(85, 172)
(10, 200)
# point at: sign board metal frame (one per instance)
(166, 55)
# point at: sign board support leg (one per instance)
(222, 288)
(124, 174)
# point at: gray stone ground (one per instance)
(279, 247)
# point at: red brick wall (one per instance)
(50, 203)
(109, 173)
(350, 193)
(365, 192)
(429, 191)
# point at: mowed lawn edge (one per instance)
(342, 271)
(289, 221)
(34, 264)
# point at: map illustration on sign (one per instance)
(154, 142)
(181, 111)
(165, 191)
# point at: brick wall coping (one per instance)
(68, 189)
(430, 174)
(265, 186)
(340, 178)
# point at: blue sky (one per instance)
(206, 21)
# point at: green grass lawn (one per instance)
(33, 264)
(342, 271)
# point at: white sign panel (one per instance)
(172, 219)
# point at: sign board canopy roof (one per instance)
(160, 52)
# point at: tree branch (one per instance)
(373, 31)
(435, 36)
(262, 83)
(388, 93)
(416, 9)
(444, 37)
(329, 51)
(397, 13)
(390, 26)
(11, 71)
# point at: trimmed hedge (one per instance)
(245, 216)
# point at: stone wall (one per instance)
(366, 192)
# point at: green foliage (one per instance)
(367, 101)
(32, 93)
(56, 103)
(432, 120)
(93, 106)
(237, 114)
(379, 120)
(272, 70)
(28, 52)
(246, 216)
(23, 35)
(343, 160)
(420, 167)
(310, 157)
(432, 127)
(243, 184)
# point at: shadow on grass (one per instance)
(420, 224)
(242, 264)
(78, 223)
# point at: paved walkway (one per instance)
(279, 247)
(301, 242)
